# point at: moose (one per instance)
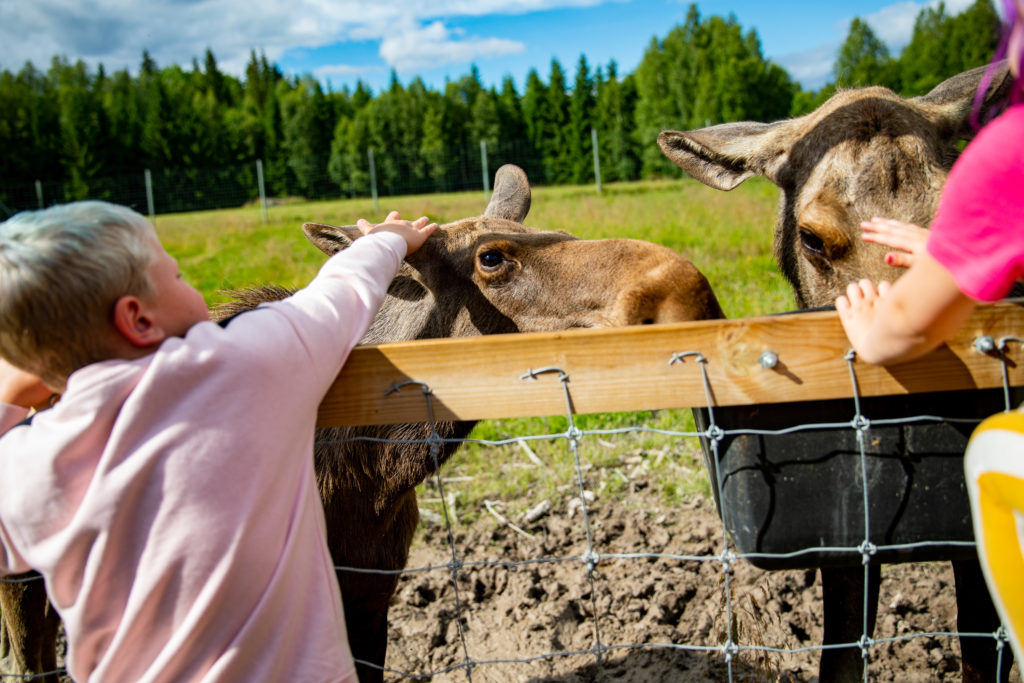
(864, 152)
(483, 275)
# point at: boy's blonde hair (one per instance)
(61, 271)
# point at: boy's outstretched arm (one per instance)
(415, 233)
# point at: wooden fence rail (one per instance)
(629, 369)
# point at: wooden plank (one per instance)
(629, 369)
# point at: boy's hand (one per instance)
(906, 237)
(21, 388)
(415, 233)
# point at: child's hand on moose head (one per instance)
(908, 238)
(415, 233)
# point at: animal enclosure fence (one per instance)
(710, 366)
(777, 361)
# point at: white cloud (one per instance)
(894, 24)
(342, 70)
(115, 32)
(811, 68)
(430, 46)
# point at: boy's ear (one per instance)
(134, 324)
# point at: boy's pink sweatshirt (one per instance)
(171, 504)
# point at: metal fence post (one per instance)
(597, 159)
(484, 169)
(373, 181)
(39, 193)
(263, 189)
(149, 196)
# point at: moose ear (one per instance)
(725, 155)
(511, 196)
(951, 102)
(330, 238)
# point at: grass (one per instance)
(726, 235)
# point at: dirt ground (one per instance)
(527, 604)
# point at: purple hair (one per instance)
(1011, 48)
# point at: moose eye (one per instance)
(811, 242)
(490, 259)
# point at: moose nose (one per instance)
(679, 296)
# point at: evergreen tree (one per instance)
(706, 71)
(974, 37)
(534, 123)
(214, 80)
(432, 143)
(943, 46)
(29, 127)
(924, 59)
(511, 125)
(554, 147)
(581, 111)
(616, 102)
(84, 127)
(307, 131)
(864, 59)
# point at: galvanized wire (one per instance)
(726, 557)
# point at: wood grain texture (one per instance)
(629, 369)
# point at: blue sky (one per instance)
(341, 41)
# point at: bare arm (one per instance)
(900, 322)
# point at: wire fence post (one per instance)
(263, 189)
(149, 196)
(373, 181)
(484, 169)
(39, 193)
(597, 159)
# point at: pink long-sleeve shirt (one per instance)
(171, 503)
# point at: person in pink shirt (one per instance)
(169, 498)
(974, 252)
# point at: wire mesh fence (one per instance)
(592, 607)
(732, 654)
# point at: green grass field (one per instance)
(726, 235)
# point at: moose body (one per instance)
(484, 275)
(865, 152)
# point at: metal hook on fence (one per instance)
(396, 388)
(572, 433)
(702, 364)
(987, 345)
(532, 374)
